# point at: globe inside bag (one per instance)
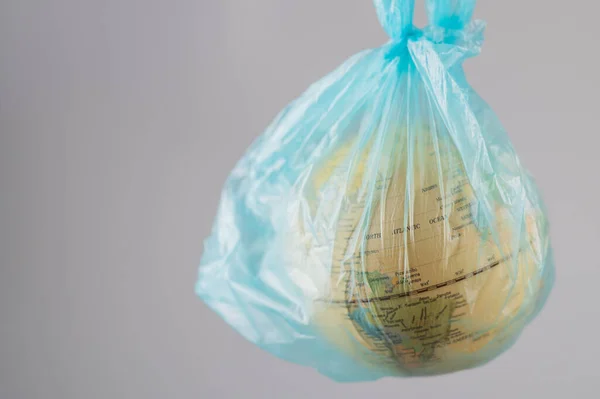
(383, 224)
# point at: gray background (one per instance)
(119, 122)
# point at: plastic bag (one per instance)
(383, 224)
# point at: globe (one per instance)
(406, 266)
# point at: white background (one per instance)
(119, 122)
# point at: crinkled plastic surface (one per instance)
(383, 224)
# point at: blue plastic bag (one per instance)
(383, 224)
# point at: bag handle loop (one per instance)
(396, 16)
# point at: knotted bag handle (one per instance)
(396, 16)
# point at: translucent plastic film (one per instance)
(383, 224)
